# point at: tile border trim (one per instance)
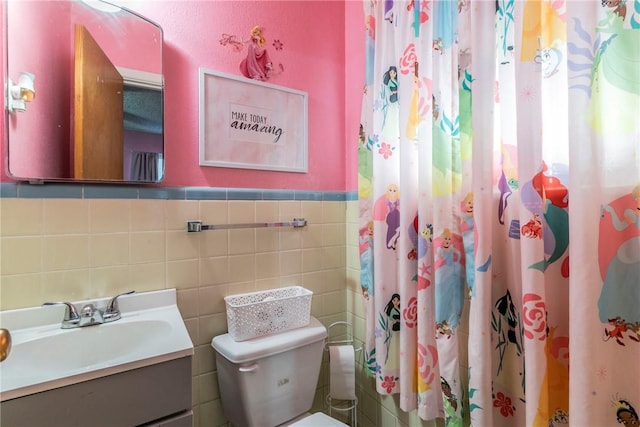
(99, 191)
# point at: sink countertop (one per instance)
(44, 356)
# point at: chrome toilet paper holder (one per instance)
(336, 338)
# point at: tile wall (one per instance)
(59, 243)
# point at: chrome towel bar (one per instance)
(197, 226)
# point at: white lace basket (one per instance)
(262, 313)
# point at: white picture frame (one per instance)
(251, 124)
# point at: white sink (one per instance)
(44, 356)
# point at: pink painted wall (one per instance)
(31, 154)
(322, 54)
(126, 27)
(354, 78)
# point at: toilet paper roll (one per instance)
(342, 373)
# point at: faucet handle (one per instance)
(71, 316)
(112, 312)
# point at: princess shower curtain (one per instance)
(499, 192)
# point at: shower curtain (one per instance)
(499, 194)
(145, 166)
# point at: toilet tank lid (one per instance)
(257, 348)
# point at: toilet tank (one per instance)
(269, 380)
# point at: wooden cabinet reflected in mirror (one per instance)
(98, 112)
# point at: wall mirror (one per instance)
(97, 113)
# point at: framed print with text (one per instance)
(250, 124)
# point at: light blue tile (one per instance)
(243, 194)
(279, 195)
(165, 193)
(309, 195)
(206, 193)
(351, 196)
(110, 191)
(98, 191)
(50, 191)
(8, 189)
(331, 196)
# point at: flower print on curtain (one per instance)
(499, 171)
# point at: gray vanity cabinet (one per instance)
(155, 395)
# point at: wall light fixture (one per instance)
(19, 94)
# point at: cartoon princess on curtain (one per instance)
(387, 208)
(449, 263)
(619, 253)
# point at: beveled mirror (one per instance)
(97, 113)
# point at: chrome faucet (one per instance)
(89, 314)
(112, 312)
(71, 318)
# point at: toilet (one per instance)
(271, 380)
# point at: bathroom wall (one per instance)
(311, 59)
(69, 249)
(72, 241)
(53, 21)
(33, 155)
